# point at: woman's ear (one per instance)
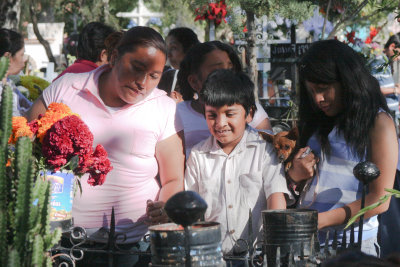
(6, 54)
(194, 82)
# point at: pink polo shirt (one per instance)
(129, 136)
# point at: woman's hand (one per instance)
(302, 167)
(156, 213)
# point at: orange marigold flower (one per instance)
(8, 164)
(20, 128)
(55, 112)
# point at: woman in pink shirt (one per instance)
(136, 124)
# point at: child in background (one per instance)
(234, 170)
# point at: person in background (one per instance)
(136, 123)
(382, 70)
(168, 83)
(389, 80)
(234, 169)
(198, 63)
(12, 46)
(344, 119)
(179, 41)
(91, 50)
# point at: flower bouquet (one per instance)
(213, 11)
(63, 149)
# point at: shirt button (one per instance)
(231, 232)
(229, 181)
(230, 206)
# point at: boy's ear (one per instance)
(293, 134)
(266, 136)
(250, 116)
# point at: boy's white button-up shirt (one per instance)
(235, 183)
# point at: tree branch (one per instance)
(349, 17)
(40, 38)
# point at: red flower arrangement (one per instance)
(64, 141)
(212, 11)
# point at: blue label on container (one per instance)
(61, 195)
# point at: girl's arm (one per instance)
(276, 201)
(38, 107)
(384, 153)
(171, 160)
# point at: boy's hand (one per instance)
(156, 213)
(302, 166)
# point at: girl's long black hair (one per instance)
(331, 61)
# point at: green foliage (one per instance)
(383, 199)
(25, 235)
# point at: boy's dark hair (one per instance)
(195, 57)
(225, 87)
(91, 41)
(185, 36)
(10, 41)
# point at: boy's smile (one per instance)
(227, 124)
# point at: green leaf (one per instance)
(366, 209)
(73, 163)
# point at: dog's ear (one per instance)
(293, 134)
(267, 137)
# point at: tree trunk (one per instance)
(106, 8)
(251, 51)
(40, 38)
(10, 11)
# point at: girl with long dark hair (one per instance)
(344, 118)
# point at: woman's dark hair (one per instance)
(195, 57)
(185, 36)
(10, 41)
(226, 87)
(394, 39)
(140, 36)
(111, 42)
(91, 40)
(328, 62)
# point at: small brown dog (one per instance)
(284, 144)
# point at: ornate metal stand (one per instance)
(186, 207)
(79, 239)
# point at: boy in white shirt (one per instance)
(234, 170)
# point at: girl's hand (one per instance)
(302, 167)
(156, 213)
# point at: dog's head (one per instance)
(283, 142)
